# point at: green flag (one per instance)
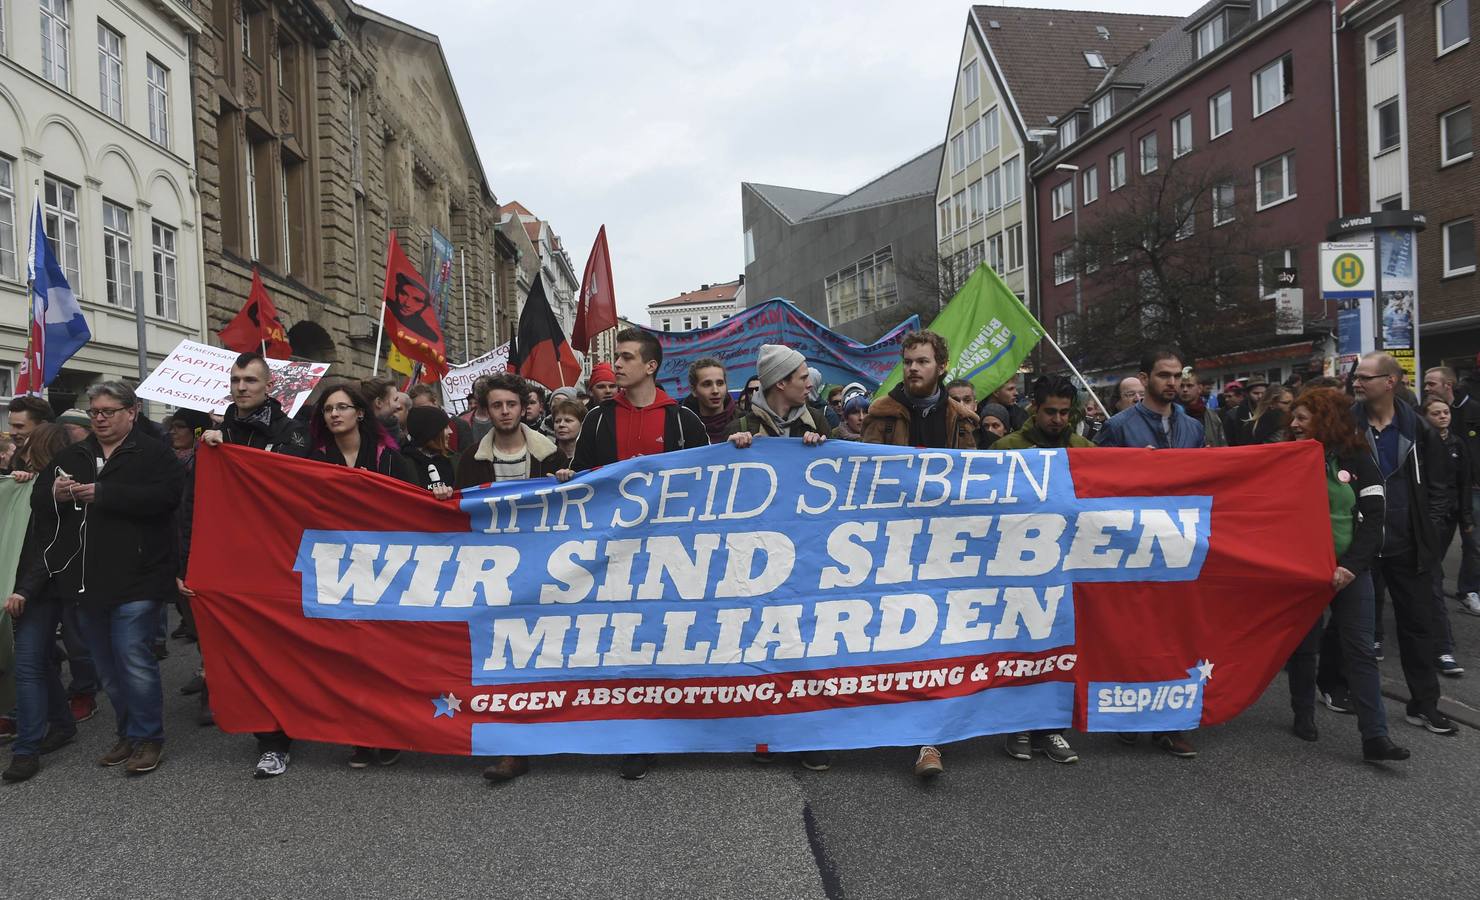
(988, 331)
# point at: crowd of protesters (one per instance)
(108, 540)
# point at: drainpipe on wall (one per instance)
(1336, 105)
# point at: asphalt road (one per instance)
(1258, 813)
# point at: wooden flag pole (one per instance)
(1091, 391)
(380, 331)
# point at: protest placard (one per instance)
(198, 376)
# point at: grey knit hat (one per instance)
(775, 363)
(996, 411)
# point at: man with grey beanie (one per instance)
(780, 408)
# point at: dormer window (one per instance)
(1100, 110)
(1211, 35)
(1094, 60)
(1266, 7)
(1068, 131)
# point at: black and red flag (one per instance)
(409, 313)
(597, 309)
(257, 326)
(539, 351)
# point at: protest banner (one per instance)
(458, 382)
(782, 596)
(737, 340)
(198, 376)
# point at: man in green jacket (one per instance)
(1051, 424)
(1048, 427)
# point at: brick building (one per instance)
(1240, 86)
(1410, 81)
(320, 126)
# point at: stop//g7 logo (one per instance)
(1348, 269)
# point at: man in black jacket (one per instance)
(1465, 426)
(252, 420)
(116, 494)
(1409, 456)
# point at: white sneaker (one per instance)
(271, 765)
(1470, 603)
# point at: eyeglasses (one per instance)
(105, 412)
(1366, 378)
(339, 408)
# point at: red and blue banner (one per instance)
(780, 596)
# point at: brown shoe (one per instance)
(145, 758)
(507, 768)
(928, 764)
(118, 755)
(1174, 743)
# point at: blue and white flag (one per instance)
(63, 329)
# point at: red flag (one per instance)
(539, 351)
(257, 325)
(597, 310)
(409, 313)
(32, 379)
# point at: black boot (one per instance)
(1305, 726)
(1382, 749)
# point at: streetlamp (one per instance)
(1074, 207)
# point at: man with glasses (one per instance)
(1409, 456)
(115, 557)
(1464, 408)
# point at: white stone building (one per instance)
(709, 305)
(95, 118)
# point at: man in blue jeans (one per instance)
(44, 718)
(115, 557)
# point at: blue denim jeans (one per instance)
(1351, 620)
(40, 700)
(121, 639)
(79, 658)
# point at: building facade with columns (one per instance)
(322, 126)
(95, 120)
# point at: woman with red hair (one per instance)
(1355, 494)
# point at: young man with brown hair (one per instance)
(709, 397)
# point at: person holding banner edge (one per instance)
(779, 408)
(1357, 499)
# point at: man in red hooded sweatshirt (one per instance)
(603, 382)
(640, 420)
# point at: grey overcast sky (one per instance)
(647, 116)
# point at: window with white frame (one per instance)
(2, 48)
(63, 230)
(1064, 326)
(1387, 127)
(1095, 59)
(1452, 23)
(958, 153)
(1099, 110)
(688, 323)
(356, 159)
(667, 324)
(749, 246)
(1063, 199)
(974, 141)
(865, 286)
(971, 85)
(958, 209)
(7, 381)
(994, 190)
(1012, 180)
(166, 293)
(991, 131)
(1069, 131)
(1186, 218)
(253, 245)
(8, 268)
(1014, 248)
(1275, 180)
(158, 78)
(1147, 147)
(1274, 84)
(1223, 209)
(118, 256)
(56, 42)
(1117, 170)
(110, 72)
(1265, 7)
(1063, 266)
(996, 257)
(974, 200)
(1211, 36)
(945, 217)
(1182, 135)
(1382, 43)
(1220, 114)
(1455, 141)
(703, 321)
(1459, 247)
(1090, 185)
(287, 218)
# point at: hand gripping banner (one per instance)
(781, 596)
